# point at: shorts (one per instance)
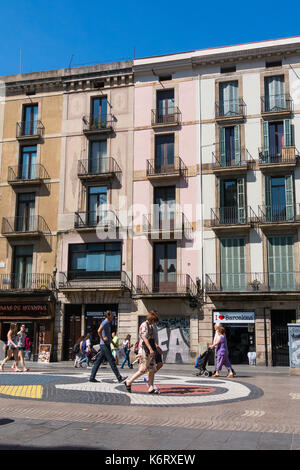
(158, 357)
(21, 348)
(11, 347)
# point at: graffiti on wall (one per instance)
(174, 339)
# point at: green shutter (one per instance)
(287, 133)
(222, 146)
(237, 144)
(289, 197)
(266, 140)
(233, 275)
(241, 200)
(268, 198)
(281, 262)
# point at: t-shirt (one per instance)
(21, 340)
(106, 331)
(87, 344)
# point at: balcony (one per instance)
(230, 110)
(252, 283)
(29, 130)
(24, 226)
(177, 169)
(175, 285)
(98, 169)
(278, 216)
(91, 281)
(90, 220)
(233, 218)
(276, 105)
(228, 164)
(25, 282)
(33, 175)
(161, 119)
(271, 160)
(168, 226)
(95, 127)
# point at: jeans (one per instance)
(105, 353)
(85, 359)
(126, 359)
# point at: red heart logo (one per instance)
(221, 317)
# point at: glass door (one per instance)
(22, 267)
(97, 205)
(275, 93)
(229, 99)
(165, 106)
(98, 161)
(165, 267)
(99, 113)
(27, 168)
(30, 119)
(164, 153)
(25, 213)
(164, 208)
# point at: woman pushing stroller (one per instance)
(220, 343)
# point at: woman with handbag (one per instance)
(12, 343)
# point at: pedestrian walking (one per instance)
(114, 345)
(126, 348)
(21, 347)
(104, 333)
(12, 351)
(158, 353)
(147, 352)
(220, 343)
(216, 325)
(86, 350)
(77, 351)
(27, 352)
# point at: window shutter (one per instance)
(266, 140)
(237, 144)
(287, 133)
(268, 198)
(222, 146)
(241, 200)
(289, 197)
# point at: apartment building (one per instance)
(30, 142)
(94, 253)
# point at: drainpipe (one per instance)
(201, 185)
(265, 332)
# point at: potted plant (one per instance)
(255, 284)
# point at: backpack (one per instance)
(76, 348)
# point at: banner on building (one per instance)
(234, 317)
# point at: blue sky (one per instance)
(49, 32)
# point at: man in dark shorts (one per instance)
(158, 351)
(105, 350)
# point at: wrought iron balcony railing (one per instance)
(95, 280)
(33, 224)
(29, 129)
(278, 213)
(221, 216)
(230, 108)
(166, 284)
(287, 156)
(279, 103)
(174, 168)
(26, 281)
(101, 218)
(228, 159)
(169, 224)
(172, 117)
(97, 167)
(22, 174)
(98, 125)
(252, 282)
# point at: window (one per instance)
(281, 270)
(22, 266)
(228, 69)
(275, 93)
(95, 260)
(97, 208)
(25, 220)
(99, 113)
(164, 153)
(233, 263)
(230, 145)
(276, 136)
(165, 106)
(164, 78)
(165, 266)
(274, 63)
(98, 162)
(232, 201)
(27, 167)
(30, 114)
(279, 196)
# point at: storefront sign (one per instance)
(44, 353)
(234, 317)
(23, 308)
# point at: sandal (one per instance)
(216, 375)
(25, 370)
(154, 392)
(128, 387)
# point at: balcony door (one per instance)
(276, 136)
(25, 212)
(165, 267)
(229, 98)
(164, 207)
(98, 162)
(97, 204)
(230, 146)
(27, 167)
(275, 93)
(22, 266)
(99, 113)
(279, 198)
(30, 119)
(232, 201)
(233, 264)
(164, 153)
(281, 267)
(165, 106)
